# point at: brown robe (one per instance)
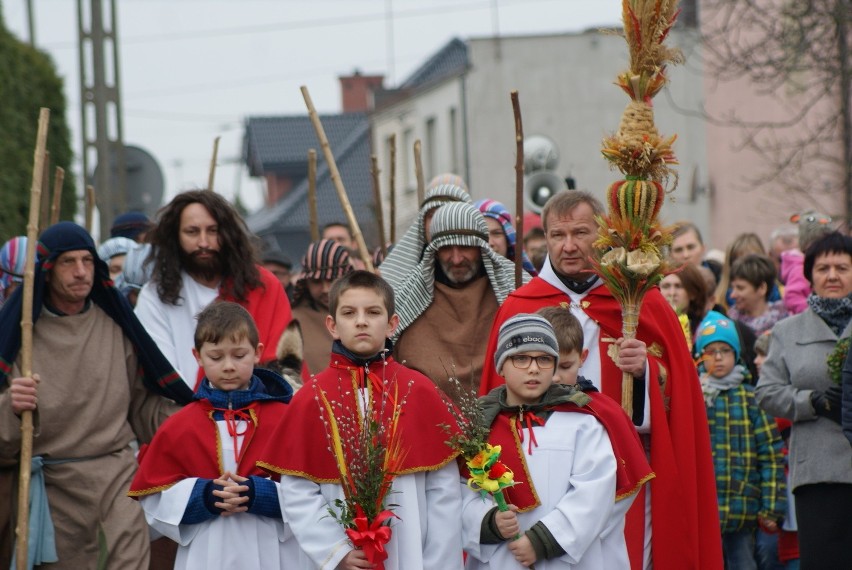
(91, 406)
(451, 333)
(316, 337)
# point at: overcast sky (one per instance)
(194, 69)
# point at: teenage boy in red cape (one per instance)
(425, 530)
(198, 482)
(668, 407)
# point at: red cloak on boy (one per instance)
(685, 517)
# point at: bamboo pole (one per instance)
(312, 194)
(44, 201)
(56, 207)
(519, 190)
(211, 177)
(392, 188)
(23, 523)
(90, 207)
(338, 183)
(418, 171)
(377, 195)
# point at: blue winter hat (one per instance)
(130, 225)
(717, 328)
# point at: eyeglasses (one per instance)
(716, 352)
(523, 361)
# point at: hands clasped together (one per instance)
(231, 491)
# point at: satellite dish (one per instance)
(145, 181)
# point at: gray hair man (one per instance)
(448, 302)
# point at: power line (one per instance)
(230, 121)
(255, 80)
(304, 24)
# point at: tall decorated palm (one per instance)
(630, 236)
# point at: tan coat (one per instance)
(91, 407)
(451, 332)
(316, 337)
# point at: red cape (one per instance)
(685, 517)
(632, 469)
(187, 445)
(299, 446)
(270, 308)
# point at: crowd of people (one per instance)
(168, 433)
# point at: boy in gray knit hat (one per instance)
(563, 463)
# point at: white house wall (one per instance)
(565, 86)
(566, 90)
(410, 120)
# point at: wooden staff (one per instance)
(211, 178)
(519, 190)
(23, 523)
(58, 180)
(90, 207)
(44, 199)
(377, 195)
(392, 188)
(418, 171)
(338, 183)
(312, 194)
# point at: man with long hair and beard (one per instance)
(202, 252)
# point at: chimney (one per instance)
(356, 91)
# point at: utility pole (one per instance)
(31, 22)
(100, 108)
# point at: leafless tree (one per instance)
(797, 54)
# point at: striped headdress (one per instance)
(325, 259)
(13, 257)
(497, 211)
(461, 224)
(406, 254)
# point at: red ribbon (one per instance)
(232, 419)
(529, 419)
(371, 537)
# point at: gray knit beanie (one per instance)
(525, 332)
